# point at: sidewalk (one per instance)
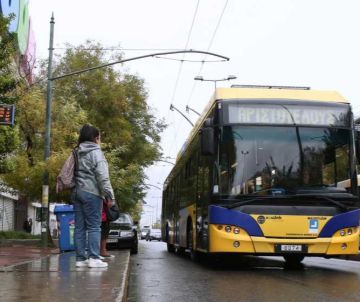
(33, 274)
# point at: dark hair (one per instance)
(88, 133)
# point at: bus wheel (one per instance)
(170, 247)
(294, 260)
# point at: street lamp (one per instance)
(50, 80)
(200, 78)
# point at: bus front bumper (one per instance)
(222, 241)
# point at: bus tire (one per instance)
(170, 247)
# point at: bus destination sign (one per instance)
(287, 115)
(7, 114)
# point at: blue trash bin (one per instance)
(65, 217)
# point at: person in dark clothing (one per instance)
(27, 226)
(105, 229)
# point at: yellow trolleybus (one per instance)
(260, 174)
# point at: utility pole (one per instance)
(45, 189)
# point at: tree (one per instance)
(9, 81)
(26, 164)
(115, 102)
(110, 100)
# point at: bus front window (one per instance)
(256, 159)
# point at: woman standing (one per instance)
(92, 185)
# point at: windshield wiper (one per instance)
(243, 202)
(335, 202)
(247, 201)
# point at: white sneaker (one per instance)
(82, 263)
(97, 263)
(101, 257)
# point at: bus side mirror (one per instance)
(207, 141)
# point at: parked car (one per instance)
(123, 234)
(144, 233)
(154, 234)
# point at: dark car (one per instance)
(123, 234)
(154, 234)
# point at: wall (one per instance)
(7, 208)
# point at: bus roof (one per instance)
(278, 93)
(253, 92)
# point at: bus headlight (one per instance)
(228, 228)
(344, 246)
(219, 227)
(236, 230)
(342, 233)
(349, 232)
(236, 244)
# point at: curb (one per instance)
(122, 296)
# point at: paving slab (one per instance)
(17, 254)
(55, 278)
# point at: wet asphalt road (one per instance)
(156, 275)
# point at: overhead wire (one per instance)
(209, 46)
(202, 64)
(180, 69)
(201, 67)
(122, 49)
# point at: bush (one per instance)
(17, 235)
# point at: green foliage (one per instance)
(17, 235)
(116, 104)
(7, 54)
(9, 137)
(110, 100)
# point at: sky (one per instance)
(279, 42)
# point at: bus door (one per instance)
(202, 202)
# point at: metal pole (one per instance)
(45, 188)
(173, 107)
(137, 58)
(189, 108)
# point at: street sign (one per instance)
(7, 114)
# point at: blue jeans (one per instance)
(87, 208)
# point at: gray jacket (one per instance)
(92, 173)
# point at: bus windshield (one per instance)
(282, 160)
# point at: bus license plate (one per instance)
(288, 248)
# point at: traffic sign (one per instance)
(7, 114)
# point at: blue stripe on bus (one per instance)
(341, 221)
(220, 215)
